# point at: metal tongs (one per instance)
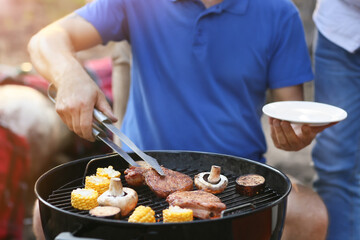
(102, 120)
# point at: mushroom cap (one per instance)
(202, 184)
(125, 202)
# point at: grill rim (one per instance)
(160, 224)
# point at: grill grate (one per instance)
(235, 203)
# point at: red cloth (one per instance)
(35, 81)
(14, 164)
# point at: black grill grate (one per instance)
(235, 203)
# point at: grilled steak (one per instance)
(161, 186)
(172, 181)
(204, 205)
(134, 176)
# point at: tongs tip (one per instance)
(160, 172)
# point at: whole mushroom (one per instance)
(212, 182)
(117, 196)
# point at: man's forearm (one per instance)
(292, 93)
(52, 50)
(52, 55)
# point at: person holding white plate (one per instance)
(336, 154)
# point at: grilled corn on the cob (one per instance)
(177, 214)
(84, 199)
(142, 214)
(108, 172)
(99, 184)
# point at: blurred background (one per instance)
(19, 20)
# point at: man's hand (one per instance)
(285, 138)
(76, 103)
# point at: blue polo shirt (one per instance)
(199, 76)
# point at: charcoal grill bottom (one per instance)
(256, 226)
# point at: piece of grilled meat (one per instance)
(172, 181)
(134, 176)
(204, 205)
(162, 186)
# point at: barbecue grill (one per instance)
(258, 217)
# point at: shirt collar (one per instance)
(232, 6)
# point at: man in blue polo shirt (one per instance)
(200, 73)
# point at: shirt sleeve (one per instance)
(108, 17)
(290, 62)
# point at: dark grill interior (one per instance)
(235, 203)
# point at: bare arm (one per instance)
(52, 52)
(282, 133)
(293, 93)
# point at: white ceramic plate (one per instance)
(303, 112)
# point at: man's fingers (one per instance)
(67, 119)
(285, 137)
(103, 106)
(86, 120)
(273, 133)
(306, 130)
(271, 121)
(322, 128)
(280, 136)
(290, 134)
(306, 136)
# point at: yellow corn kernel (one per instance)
(84, 199)
(108, 172)
(142, 214)
(177, 214)
(99, 184)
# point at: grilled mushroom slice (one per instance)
(250, 184)
(105, 212)
(212, 182)
(117, 196)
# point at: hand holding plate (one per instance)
(285, 137)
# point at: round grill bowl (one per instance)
(249, 218)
